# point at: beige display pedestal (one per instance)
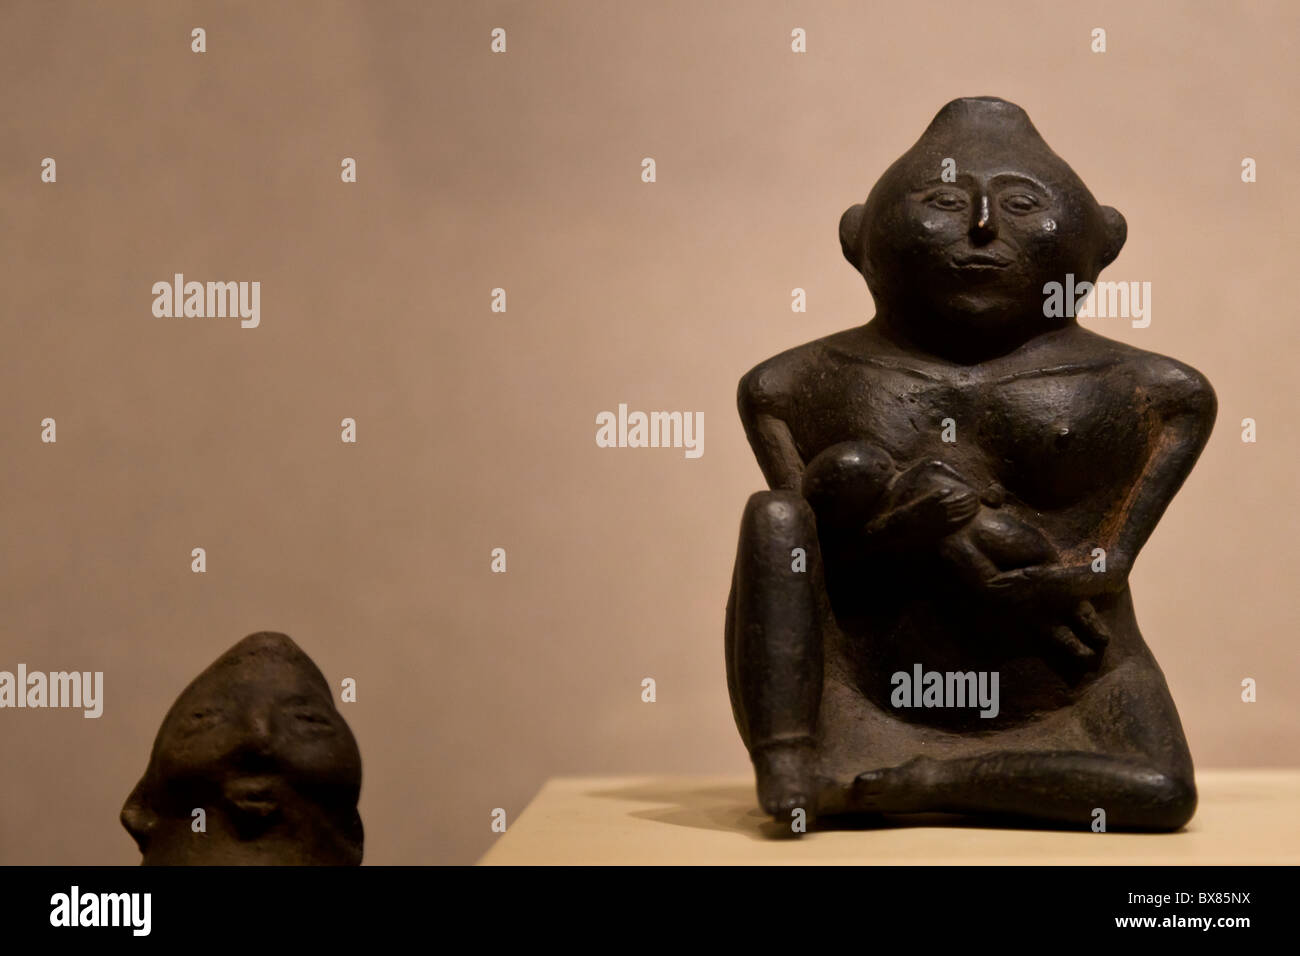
(1244, 817)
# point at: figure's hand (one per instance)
(1052, 583)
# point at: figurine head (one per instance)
(256, 742)
(961, 233)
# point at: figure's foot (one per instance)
(1091, 628)
(785, 773)
(907, 788)
(1083, 640)
(1067, 643)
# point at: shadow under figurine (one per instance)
(256, 743)
(930, 608)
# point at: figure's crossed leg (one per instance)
(1141, 778)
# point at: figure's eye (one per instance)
(947, 199)
(1020, 202)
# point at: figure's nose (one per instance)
(983, 227)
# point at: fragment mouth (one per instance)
(254, 796)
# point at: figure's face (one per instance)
(968, 259)
(982, 243)
(977, 251)
(258, 742)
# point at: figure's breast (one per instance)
(1053, 437)
(1057, 437)
(901, 411)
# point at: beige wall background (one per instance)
(476, 430)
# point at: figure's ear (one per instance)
(1116, 232)
(851, 234)
(138, 817)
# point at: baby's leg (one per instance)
(1008, 542)
(996, 541)
(960, 552)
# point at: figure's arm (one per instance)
(1186, 407)
(775, 450)
(1183, 408)
(927, 501)
(769, 436)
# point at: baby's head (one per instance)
(846, 481)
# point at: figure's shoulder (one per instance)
(1166, 381)
(770, 385)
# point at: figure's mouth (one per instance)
(976, 261)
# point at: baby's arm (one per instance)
(856, 486)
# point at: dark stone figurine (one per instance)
(930, 608)
(256, 742)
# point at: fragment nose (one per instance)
(261, 729)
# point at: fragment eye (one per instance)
(1020, 202)
(202, 718)
(946, 199)
(312, 719)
